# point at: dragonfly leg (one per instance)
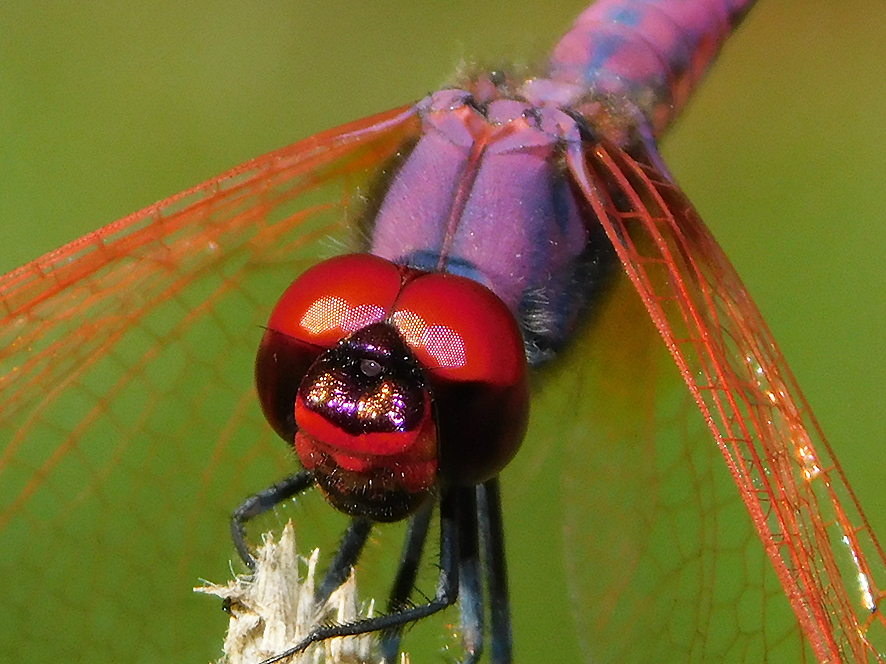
(445, 596)
(260, 503)
(407, 571)
(472, 532)
(470, 579)
(491, 529)
(349, 550)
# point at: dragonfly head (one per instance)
(389, 380)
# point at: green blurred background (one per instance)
(106, 108)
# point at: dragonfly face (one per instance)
(746, 135)
(388, 380)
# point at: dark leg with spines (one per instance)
(491, 528)
(260, 503)
(349, 550)
(407, 571)
(446, 594)
(470, 578)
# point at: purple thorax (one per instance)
(486, 193)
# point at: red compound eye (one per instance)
(325, 304)
(385, 379)
(459, 330)
(469, 343)
(336, 298)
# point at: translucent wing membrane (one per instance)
(663, 562)
(130, 428)
(824, 554)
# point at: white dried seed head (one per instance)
(273, 610)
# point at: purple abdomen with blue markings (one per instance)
(651, 52)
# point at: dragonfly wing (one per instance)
(130, 425)
(661, 560)
(822, 550)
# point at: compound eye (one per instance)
(336, 298)
(460, 330)
(468, 343)
(325, 304)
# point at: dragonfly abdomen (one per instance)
(652, 52)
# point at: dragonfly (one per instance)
(101, 470)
